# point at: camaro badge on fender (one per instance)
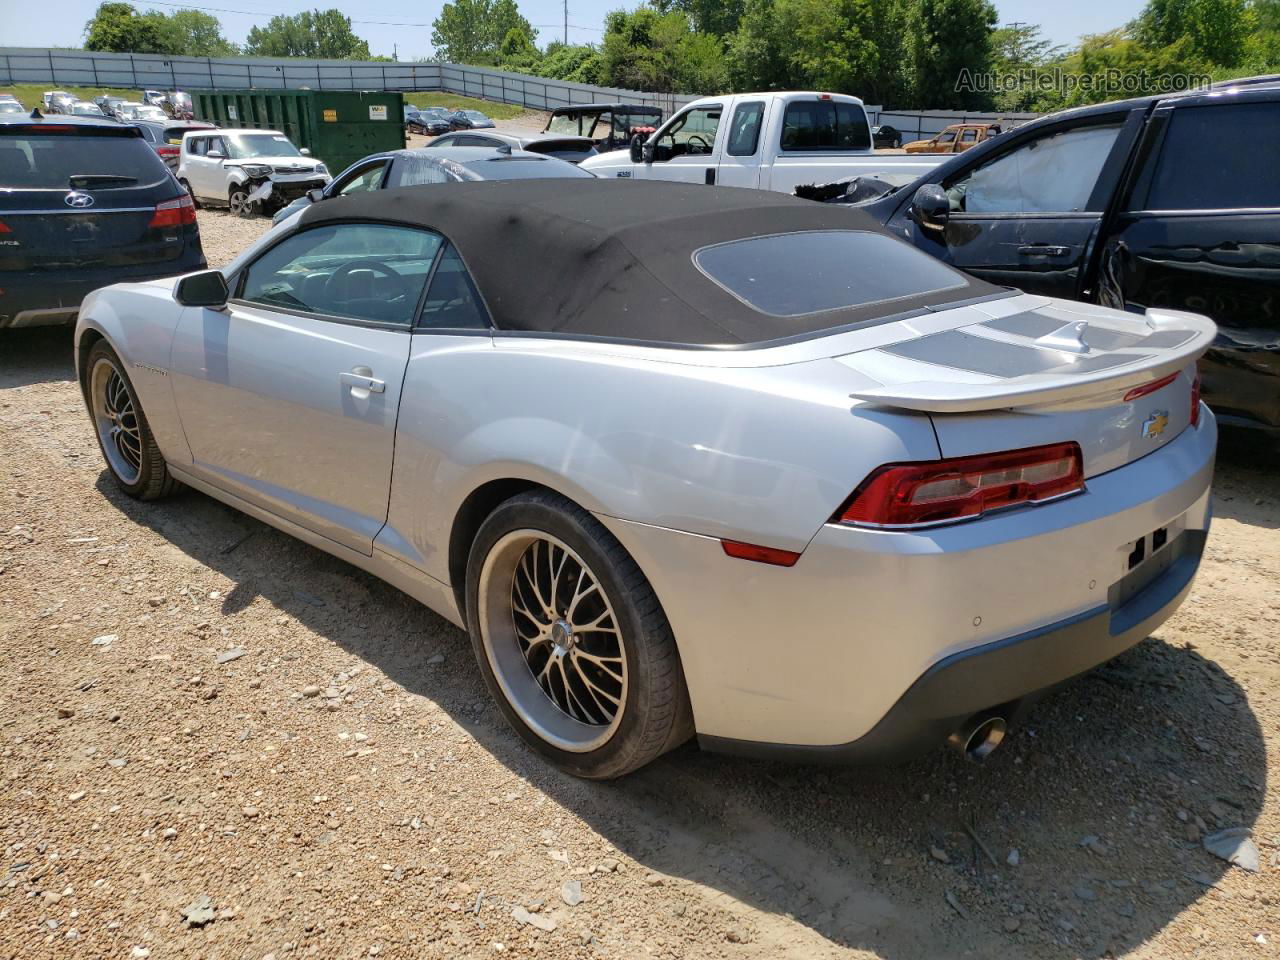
(1154, 425)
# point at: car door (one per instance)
(201, 167)
(289, 395)
(1199, 230)
(360, 179)
(740, 163)
(1028, 217)
(213, 175)
(687, 149)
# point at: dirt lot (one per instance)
(197, 706)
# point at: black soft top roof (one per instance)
(602, 258)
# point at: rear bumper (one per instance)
(51, 298)
(822, 654)
(1003, 677)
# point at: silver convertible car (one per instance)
(682, 460)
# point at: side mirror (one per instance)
(305, 152)
(216, 155)
(208, 289)
(315, 194)
(931, 208)
(647, 153)
(637, 149)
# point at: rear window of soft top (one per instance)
(793, 274)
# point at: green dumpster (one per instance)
(338, 127)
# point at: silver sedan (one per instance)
(682, 460)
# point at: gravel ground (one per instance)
(220, 742)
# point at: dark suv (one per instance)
(84, 203)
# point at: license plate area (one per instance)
(1145, 560)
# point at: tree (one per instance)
(322, 34)
(846, 46)
(579, 63)
(646, 49)
(1216, 30)
(517, 51)
(944, 39)
(720, 17)
(1017, 50)
(472, 31)
(118, 28)
(198, 34)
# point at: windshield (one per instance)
(10, 106)
(563, 124)
(474, 115)
(248, 145)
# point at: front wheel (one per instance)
(131, 452)
(238, 201)
(571, 639)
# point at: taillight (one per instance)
(944, 491)
(173, 213)
(167, 151)
(1195, 400)
(4, 227)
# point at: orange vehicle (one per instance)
(955, 139)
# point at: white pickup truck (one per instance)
(766, 141)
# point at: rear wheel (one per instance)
(131, 452)
(190, 193)
(571, 639)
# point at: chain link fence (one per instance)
(142, 71)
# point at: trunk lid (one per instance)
(1118, 384)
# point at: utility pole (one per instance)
(566, 22)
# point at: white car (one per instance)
(682, 460)
(227, 167)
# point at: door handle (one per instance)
(1043, 250)
(359, 381)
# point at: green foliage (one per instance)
(945, 37)
(323, 34)
(473, 31)
(1215, 31)
(578, 63)
(719, 17)
(646, 49)
(199, 34)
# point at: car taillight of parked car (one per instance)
(167, 151)
(173, 213)
(899, 495)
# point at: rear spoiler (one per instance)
(1060, 385)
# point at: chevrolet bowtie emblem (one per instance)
(1154, 425)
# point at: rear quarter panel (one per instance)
(762, 454)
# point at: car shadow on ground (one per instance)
(910, 861)
(36, 355)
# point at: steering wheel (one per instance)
(706, 147)
(337, 280)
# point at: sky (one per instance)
(405, 27)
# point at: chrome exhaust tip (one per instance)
(978, 737)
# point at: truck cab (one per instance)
(610, 125)
(762, 141)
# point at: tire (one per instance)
(617, 698)
(238, 202)
(124, 436)
(190, 193)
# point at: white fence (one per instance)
(78, 68)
